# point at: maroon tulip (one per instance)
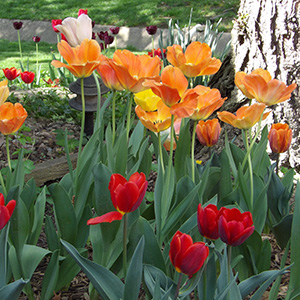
(93, 35)
(11, 73)
(27, 77)
(82, 11)
(109, 39)
(36, 38)
(102, 35)
(235, 227)
(18, 25)
(207, 218)
(93, 24)
(6, 211)
(187, 257)
(56, 22)
(114, 30)
(151, 29)
(126, 196)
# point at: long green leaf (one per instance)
(3, 255)
(12, 290)
(134, 274)
(108, 285)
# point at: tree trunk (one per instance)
(266, 35)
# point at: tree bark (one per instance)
(266, 35)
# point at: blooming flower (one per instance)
(156, 121)
(114, 30)
(157, 52)
(102, 35)
(6, 211)
(18, 25)
(235, 227)
(280, 137)
(151, 29)
(126, 196)
(260, 85)
(172, 86)
(246, 116)
(207, 218)
(36, 38)
(81, 60)
(198, 103)
(195, 61)
(109, 39)
(208, 132)
(187, 257)
(147, 100)
(27, 76)
(54, 23)
(82, 11)
(76, 30)
(11, 73)
(4, 91)
(12, 117)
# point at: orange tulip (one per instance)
(262, 87)
(12, 117)
(147, 100)
(280, 137)
(246, 116)
(4, 91)
(132, 70)
(195, 61)
(172, 86)
(198, 103)
(82, 60)
(155, 121)
(208, 132)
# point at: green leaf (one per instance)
(108, 285)
(121, 154)
(64, 212)
(50, 277)
(135, 138)
(225, 182)
(51, 235)
(3, 255)
(134, 274)
(282, 230)
(12, 290)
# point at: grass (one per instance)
(125, 12)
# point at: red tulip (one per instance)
(126, 196)
(235, 227)
(27, 77)
(207, 218)
(36, 38)
(6, 211)
(280, 137)
(187, 257)
(18, 25)
(56, 22)
(82, 11)
(11, 73)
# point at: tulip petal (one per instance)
(106, 218)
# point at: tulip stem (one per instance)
(37, 60)
(3, 185)
(160, 153)
(7, 151)
(171, 143)
(229, 252)
(97, 123)
(114, 117)
(125, 218)
(20, 48)
(152, 46)
(128, 115)
(250, 170)
(178, 286)
(193, 151)
(277, 163)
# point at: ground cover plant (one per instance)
(137, 13)
(199, 230)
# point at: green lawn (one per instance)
(124, 12)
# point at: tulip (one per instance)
(260, 85)
(147, 100)
(157, 52)
(208, 132)
(187, 257)
(246, 116)
(12, 117)
(151, 29)
(195, 61)
(207, 219)
(82, 60)
(102, 35)
(18, 25)
(54, 23)
(36, 39)
(27, 77)
(172, 86)
(280, 137)
(234, 227)
(11, 73)
(108, 39)
(6, 211)
(82, 11)
(198, 103)
(4, 91)
(167, 143)
(114, 30)
(76, 30)
(126, 196)
(156, 121)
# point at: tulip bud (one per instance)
(280, 137)
(36, 39)
(6, 211)
(208, 132)
(151, 29)
(18, 25)
(207, 219)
